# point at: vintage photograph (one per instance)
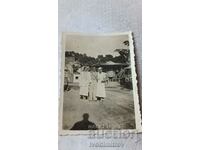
(98, 83)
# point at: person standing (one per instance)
(101, 78)
(85, 79)
(68, 76)
(93, 85)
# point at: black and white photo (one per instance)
(98, 83)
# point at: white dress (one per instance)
(93, 86)
(85, 79)
(101, 92)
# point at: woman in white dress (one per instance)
(93, 85)
(101, 78)
(85, 80)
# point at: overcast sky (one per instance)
(95, 45)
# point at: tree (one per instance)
(100, 58)
(108, 57)
(124, 53)
(126, 43)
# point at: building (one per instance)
(112, 66)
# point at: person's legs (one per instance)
(86, 92)
(111, 79)
(65, 84)
(93, 92)
(102, 99)
(83, 92)
(90, 92)
(65, 87)
(68, 87)
(98, 98)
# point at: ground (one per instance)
(115, 112)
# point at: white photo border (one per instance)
(138, 121)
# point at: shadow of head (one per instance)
(86, 117)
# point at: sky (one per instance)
(95, 45)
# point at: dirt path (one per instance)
(115, 112)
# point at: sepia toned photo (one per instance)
(98, 83)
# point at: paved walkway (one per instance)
(117, 110)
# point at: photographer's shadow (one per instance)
(85, 124)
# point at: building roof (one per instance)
(111, 63)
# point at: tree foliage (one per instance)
(83, 59)
(124, 53)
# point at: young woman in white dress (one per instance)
(93, 85)
(101, 78)
(85, 80)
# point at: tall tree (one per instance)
(124, 53)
